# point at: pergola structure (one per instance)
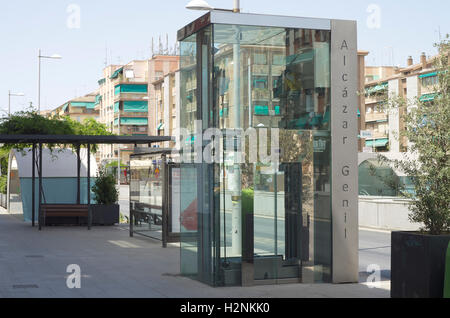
(77, 140)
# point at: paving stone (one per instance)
(108, 270)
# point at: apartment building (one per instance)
(411, 82)
(122, 102)
(167, 114)
(161, 72)
(78, 108)
(374, 73)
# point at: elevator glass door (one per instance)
(277, 222)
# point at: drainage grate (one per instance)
(25, 286)
(34, 256)
(172, 275)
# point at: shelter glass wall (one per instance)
(379, 179)
(154, 196)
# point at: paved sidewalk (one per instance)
(33, 264)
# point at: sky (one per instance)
(116, 32)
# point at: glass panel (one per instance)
(377, 179)
(320, 218)
(146, 195)
(15, 193)
(265, 222)
(274, 217)
(198, 242)
(188, 83)
(189, 221)
(188, 173)
(288, 230)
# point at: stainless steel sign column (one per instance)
(344, 127)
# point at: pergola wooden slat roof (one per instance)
(79, 139)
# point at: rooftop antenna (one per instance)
(167, 44)
(106, 54)
(153, 47)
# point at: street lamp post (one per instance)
(55, 57)
(9, 100)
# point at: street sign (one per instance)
(320, 145)
(365, 134)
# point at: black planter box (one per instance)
(418, 265)
(105, 214)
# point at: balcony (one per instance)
(135, 80)
(131, 130)
(424, 90)
(260, 70)
(373, 117)
(260, 94)
(191, 85)
(131, 106)
(132, 80)
(379, 135)
(131, 114)
(127, 91)
(376, 98)
(129, 96)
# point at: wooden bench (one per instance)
(65, 210)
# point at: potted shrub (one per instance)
(106, 211)
(418, 258)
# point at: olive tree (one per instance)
(427, 162)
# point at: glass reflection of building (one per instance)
(255, 222)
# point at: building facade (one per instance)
(167, 114)
(77, 109)
(415, 81)
(161, 70)
(122, 102)
(130, 104)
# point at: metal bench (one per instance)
(65, 210)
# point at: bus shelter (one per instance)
(154, 195)
(38, 142)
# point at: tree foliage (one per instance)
(428, 162)
(31, 123)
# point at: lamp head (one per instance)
(199, 5)
(15, 94)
